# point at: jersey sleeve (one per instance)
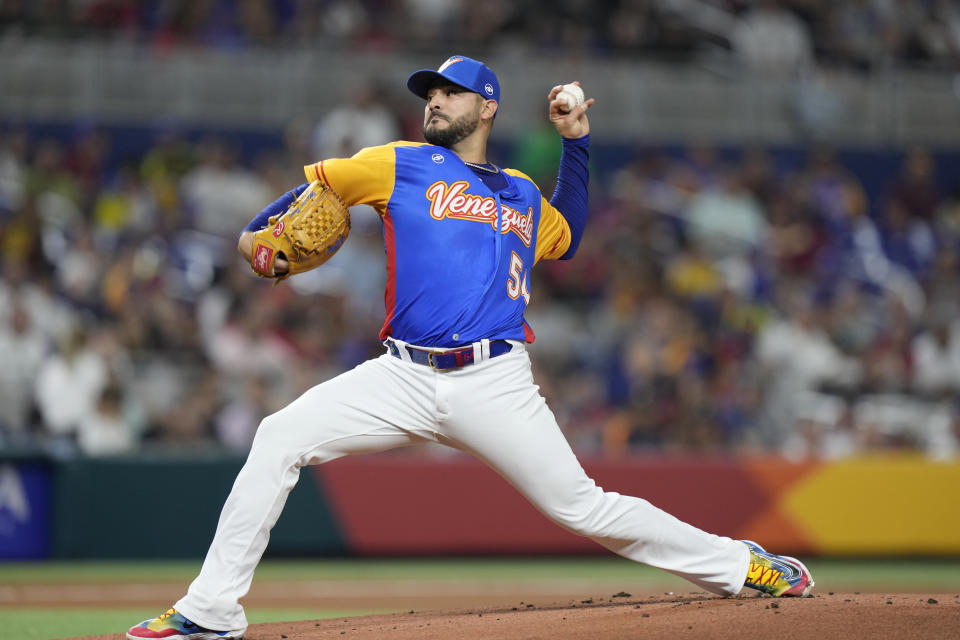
(553, 234)
(366, 178)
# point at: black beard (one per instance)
(457, 131)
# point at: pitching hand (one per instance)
(569, 124)
(245, 248)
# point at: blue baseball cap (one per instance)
(460, 70)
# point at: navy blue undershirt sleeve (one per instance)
(570, 194)
(275, 208)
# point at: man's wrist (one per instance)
(582, 141)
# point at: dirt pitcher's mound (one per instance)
(823, 616)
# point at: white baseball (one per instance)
(570, 96)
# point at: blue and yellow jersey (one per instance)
(458, 254)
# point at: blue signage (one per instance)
(25, 506)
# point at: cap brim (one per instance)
(420, 82)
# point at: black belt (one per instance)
(449, 359)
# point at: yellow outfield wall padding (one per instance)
(878, 505)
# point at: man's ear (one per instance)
(489, 109)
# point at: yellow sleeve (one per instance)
(366, 178)
(553, 233)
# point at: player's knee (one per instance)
(578, 515)
(268, 432)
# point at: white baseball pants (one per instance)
(492, 410)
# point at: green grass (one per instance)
(601, 567)
(908, 573)
(45, 624)
(877, 575)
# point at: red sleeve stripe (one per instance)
(563, 234)
(390, 293)
(324, 173)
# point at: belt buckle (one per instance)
(430, 355)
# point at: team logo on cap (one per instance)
(488, 88)
(438, 158)
(449, 62)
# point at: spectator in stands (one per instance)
(20, 235)
(427, 18)
(890, 412)
(855, 318)
(163, 168)
(777, 35)
(699, 168)
(106, 17)
(936, 357)
(915, 189)
(887, 360)
(86, 161)
(726, 220)
(813, 440)
(770, 39)
(909, 210)
(940, 33)
(21, 283)
(259, 22)
(125, 207)
(218, 191)
(832, 191)
(105, 430)
(860, 32)
(693, 275)
(250, 335)
(947, 219)
(68, 385)
(79, 269)
(236, 423)
(943, 284)
(758, 174)
(671, 358)
(907, 241)
(635, 26)
(187, 423)
(795, 238)
(56, 194)
(362, 121)
(13, 170)
(798, 356)
(23, 348)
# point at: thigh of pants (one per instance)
(376, 406)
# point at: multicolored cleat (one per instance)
(171, 625)
(776, 575)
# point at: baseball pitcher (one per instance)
(461, 236)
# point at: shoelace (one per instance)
(166, 614)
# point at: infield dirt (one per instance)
(623, 616)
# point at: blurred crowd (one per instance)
(769, 34)
(717, 303)
(725, 305)
(126, 316)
